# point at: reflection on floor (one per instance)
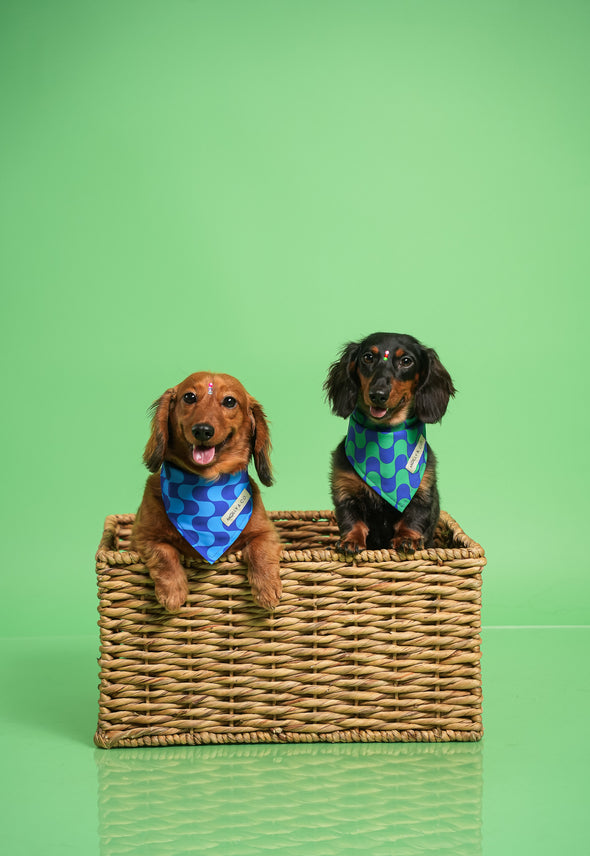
(424, 798)
(522, 790)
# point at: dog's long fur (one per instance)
(388, 388)
(238, 431)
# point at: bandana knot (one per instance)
(391, 460)
(208, 514)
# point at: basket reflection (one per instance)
(369, 798)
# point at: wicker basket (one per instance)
(380, 647)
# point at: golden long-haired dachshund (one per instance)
(199, 500)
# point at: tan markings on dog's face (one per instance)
(401, 398)
(210, 427)
(393, 373)
(365, 383)
(399, 402)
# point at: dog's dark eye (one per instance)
(229, 401)
(406, 362)
(189, 397)
(368, 358)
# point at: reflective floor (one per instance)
(523, 789)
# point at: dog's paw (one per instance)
(266, 588)
(172, 593)
(347, 546)
(355, 540)
(408, 541)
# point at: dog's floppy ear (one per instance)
(432, 396)
(153, 456)
(260, 442)
(341, 385)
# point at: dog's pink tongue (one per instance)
(377, 412)
(203, 454)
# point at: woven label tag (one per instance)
(233, 511)
(414, 459)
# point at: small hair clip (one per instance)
(210, 388)
(385, 356)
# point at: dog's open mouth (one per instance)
(203, 455)
(379, 413)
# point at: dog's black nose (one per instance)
(203, 431)
(379, 396)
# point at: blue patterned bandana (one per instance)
(391, 460)
(208, 514)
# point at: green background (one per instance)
(246, 186)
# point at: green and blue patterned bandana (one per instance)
(391, 460)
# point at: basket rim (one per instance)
(468, 549)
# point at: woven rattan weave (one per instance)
(380, 647)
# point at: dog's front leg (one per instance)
(406, 537)
(168, 575)
(353, 528)
(414, 529)
(262, 555)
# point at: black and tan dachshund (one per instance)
(385, 494)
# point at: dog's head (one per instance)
(209, 425)
(389, 377)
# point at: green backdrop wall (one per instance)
(246, 186)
